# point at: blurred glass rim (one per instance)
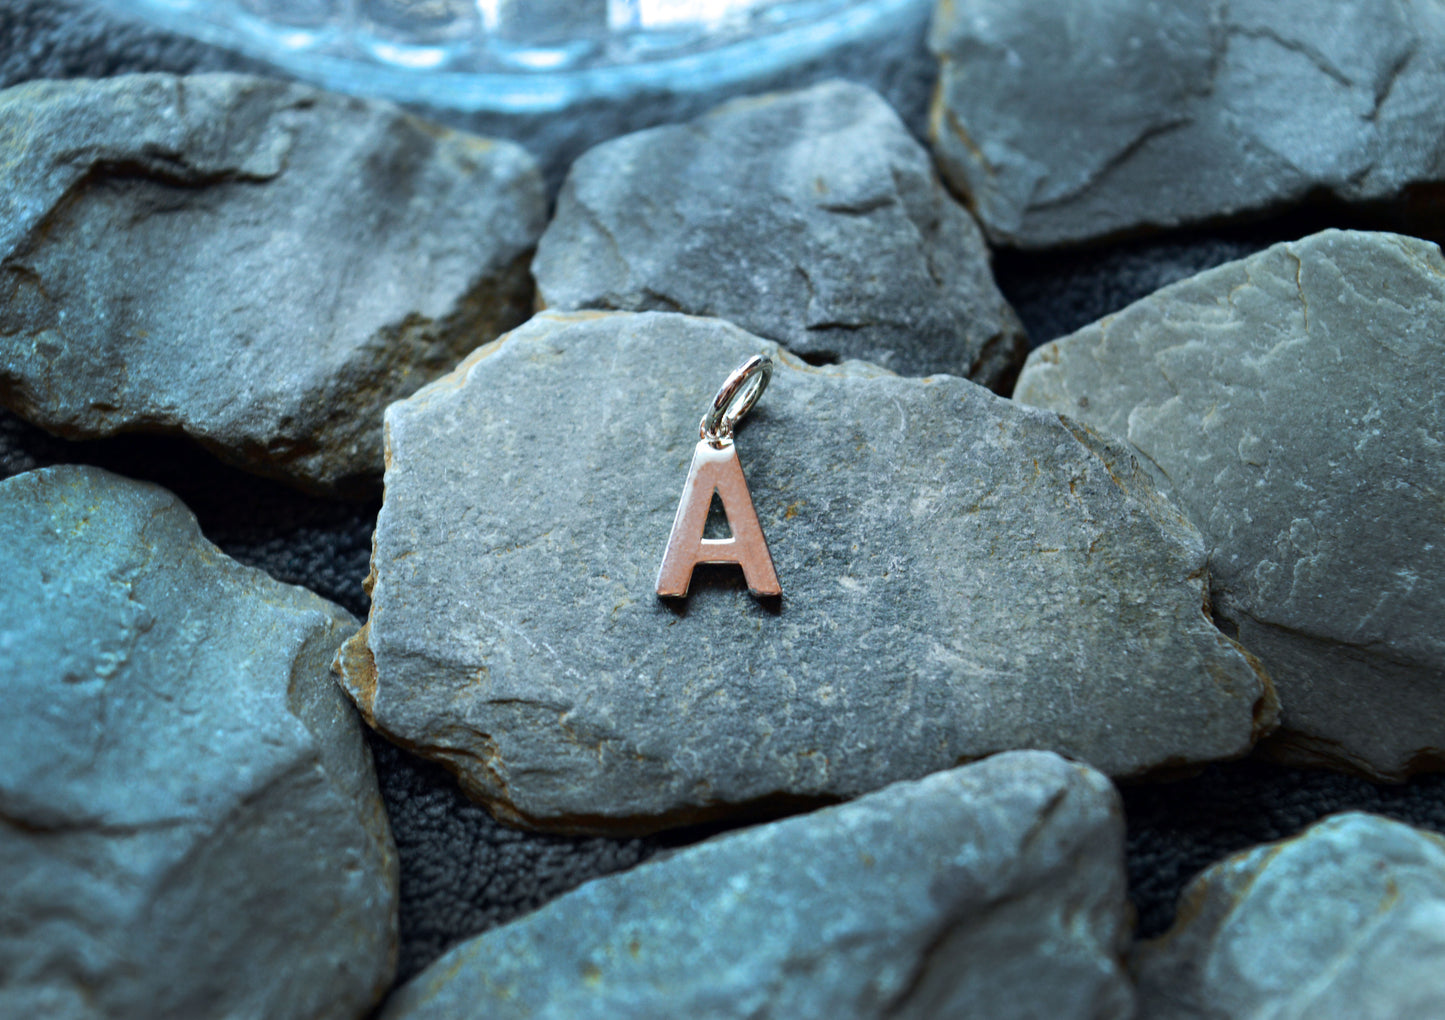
(753, 57)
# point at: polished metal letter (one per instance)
(716, 469)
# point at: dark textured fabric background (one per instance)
(461, 872)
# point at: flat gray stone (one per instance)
(258, 265)
(189, 821)
(811, 218)
(992, 890)
(1345, 921)
(1288, 402)
(1133, 113)
(960, 575)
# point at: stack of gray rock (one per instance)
(1205, 526)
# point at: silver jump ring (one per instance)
(739, 393)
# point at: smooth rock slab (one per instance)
(960, 576)
(189, 821)
(991, 890)
(811, 218)
(258, 265)
(1289, 403)
(1344, 921)
(1135, 113)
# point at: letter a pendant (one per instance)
(715, 469)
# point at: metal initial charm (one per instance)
(715, 469)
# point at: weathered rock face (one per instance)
(1344, 921)
(991, 890)
(1288, 402)
(812, 218)
(185, 796)
(960, 576)
(1130, 114)
(255, 264)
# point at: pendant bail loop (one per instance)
(739, 392)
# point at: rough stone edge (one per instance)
(1141, 487)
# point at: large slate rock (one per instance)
(1131, 113)
(812, 218)
(1288, 403)
(1344, 921)
(189, 821)
(255, 264)
(960, 576)
(991, 890)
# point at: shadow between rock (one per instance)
(319, 543)
(1177, 829)
(1060, 290)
